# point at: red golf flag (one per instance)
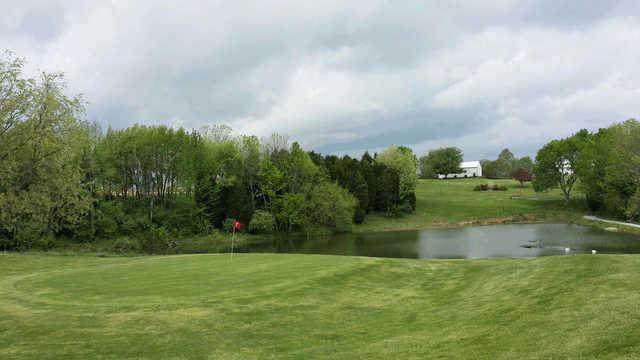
(236, 225)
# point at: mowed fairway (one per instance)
(306, 306)
(452, 201)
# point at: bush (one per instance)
(409, 203)
(358, 215)
(125, 244)
(393, 211)
(108, 216)
(6, 243)
(135, 224)
(632, 211)
(32, 236)
(180, 215)
(203, 227)
(487, 187)
(157, 240)
(262, 222)
(329, 206)
(227, 224)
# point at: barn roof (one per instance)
(470, 164)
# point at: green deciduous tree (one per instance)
(290, 210)
(443, 161)
(330, 206)
(42, 142)
(556, 163)
(609, 170)
(387, 184)
(262, 222)
(404, 162)
(525, 163)
(425, 166)
(505, 164)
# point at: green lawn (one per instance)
(307, 306)
(453, 202)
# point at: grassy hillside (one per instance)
(453, 202)
(306, 306)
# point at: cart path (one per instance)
(595, 218)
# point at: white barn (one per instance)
(469, 169)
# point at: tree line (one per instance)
(508, 166)
(62, 178)
(604, 165)
(447, 160)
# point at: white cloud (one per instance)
(344, 76)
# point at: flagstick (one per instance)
(233, 236)
(236, 226)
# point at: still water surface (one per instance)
(465, 242)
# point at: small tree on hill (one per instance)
(556, 163)
(522, 175)
(505, 163)
(444, 161)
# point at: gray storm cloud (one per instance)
(345, 76)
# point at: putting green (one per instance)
(180, 279)
(311, 306)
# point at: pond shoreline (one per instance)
(460, 242)
(218, 242)
(262, 243)
(578, 219)
(503, 220)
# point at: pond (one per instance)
(462, 243)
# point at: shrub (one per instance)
(136, 224)
(157, 240)
(409, 203)
(180, 215)
(203, 226)
(330, 206)
(227, 224)
(262, 222)
(522, 175)
(125, 244)
(633, 207)
(392, 212)
(33, 236)
(358, 215)
(6, 243)
(487, 187)
(108, 215)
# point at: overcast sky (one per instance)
(345, 76)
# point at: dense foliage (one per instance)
(489, 187)
(43, 148)
(443, 161)
(384, 183)
(522, 175)
(608, 167)
(506, 166)
(150, 185)
(557, 162)
(605, 165)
